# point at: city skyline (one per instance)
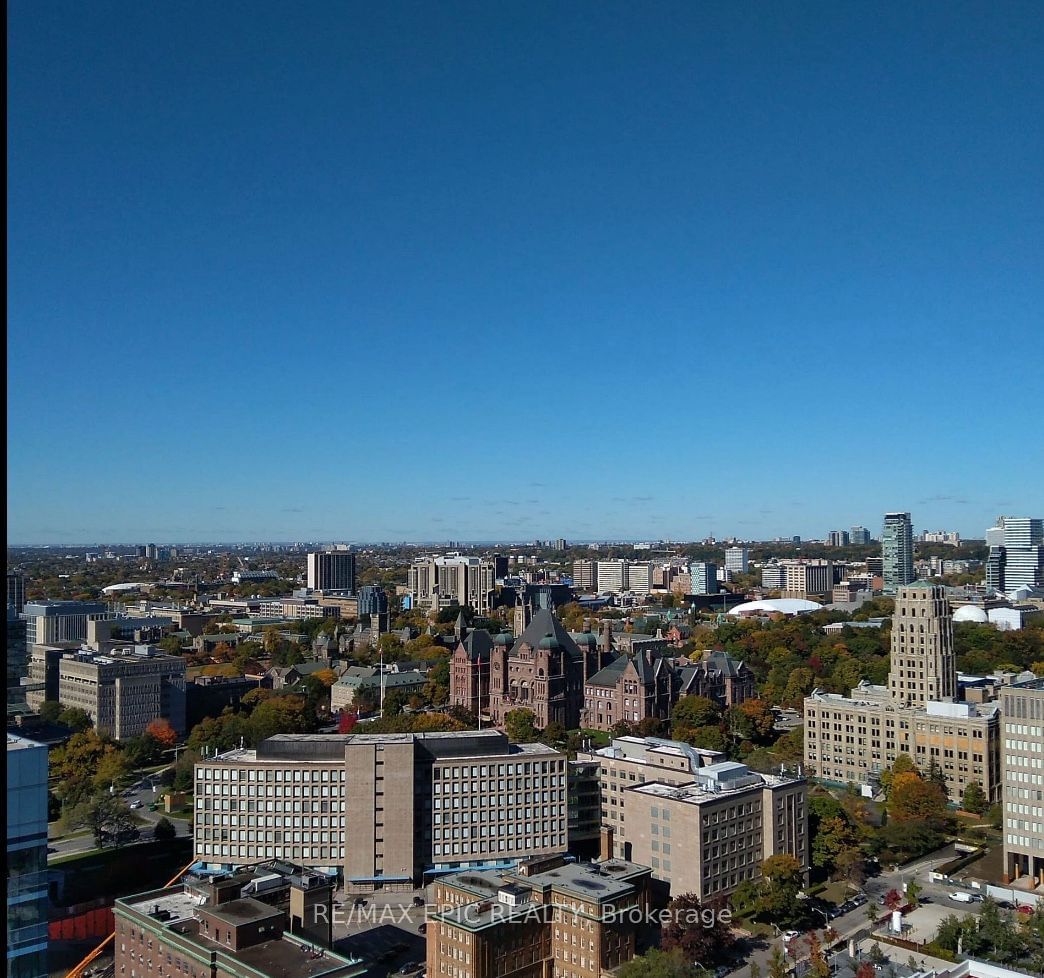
(268, 262)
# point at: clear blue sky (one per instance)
(509, 270)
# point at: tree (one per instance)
(694, 711)
(162, 732)
(753, 720)
(75, 719)
(346, 722)
(49, 711)
(893, 900)
(701, 933)
(520, 726)
(833, 836)
(913, 891)
(164, 830)
(817, 962)
(657, 964)
(783, 880)
(777, 964)
(974, 799)
(915, 799)
(850, 865)
(876, 955)
(112, 769)
(865, 970)
(755, 970)
(104, 815)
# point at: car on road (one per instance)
(963, 897)
(418, 901)
(1025, 908)
(410, 967)
(359, 902)
(790, 935)
(51, 849)
(135, 804)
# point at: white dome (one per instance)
(971, 612)
(775, 606)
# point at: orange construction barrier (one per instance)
(78, 970)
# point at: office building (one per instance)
(1016, 555)
(53, 622)
(27, 899)
(897, 551)
(712, 834)
(859, 536)
(330, 571)
(737, 560)
(419, 804)
(624, 576)
(453, 579)
(211, 929)
(703, 577)
(807, 578)
(666, 805)
(15, 591)
(584, 807)
(851, 739)
(17, 657)
(585, 575)
(372, 601)
(123, 692)
(838, 538)
(294, 607)
(949, 537)
(773, 577)
(547, 919)
(611, 576)
(1022, 709)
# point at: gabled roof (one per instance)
(647, 670)
(724, 663)
(477, 645)
(545, 625)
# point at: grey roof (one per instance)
(478, 644)
(544, 625)
(647, 669)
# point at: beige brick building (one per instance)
(661, 797)
(124, 691)
(549, 919)
(708, 836)
(1022, 706)
(382, 810)
(851, 739)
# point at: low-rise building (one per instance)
(548, 919)
(198, 930)
(342, 692)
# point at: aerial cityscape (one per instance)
(525, 491)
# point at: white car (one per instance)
(135, 804)
(790, 935)
(962, 897)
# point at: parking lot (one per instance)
(386, 930)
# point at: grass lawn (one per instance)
(599, 738)
(753, 927)
(835, 893)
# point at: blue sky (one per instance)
(488, 271)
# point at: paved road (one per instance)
(856, 921)
(141, 793)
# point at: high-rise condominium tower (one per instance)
(897, 551)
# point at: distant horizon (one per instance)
(515, 271)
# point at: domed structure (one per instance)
(775, 606)
(504, 638)
(971, 612)
(550, 642)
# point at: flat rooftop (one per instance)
(698, 793)
(245, 910)
(21, 743)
